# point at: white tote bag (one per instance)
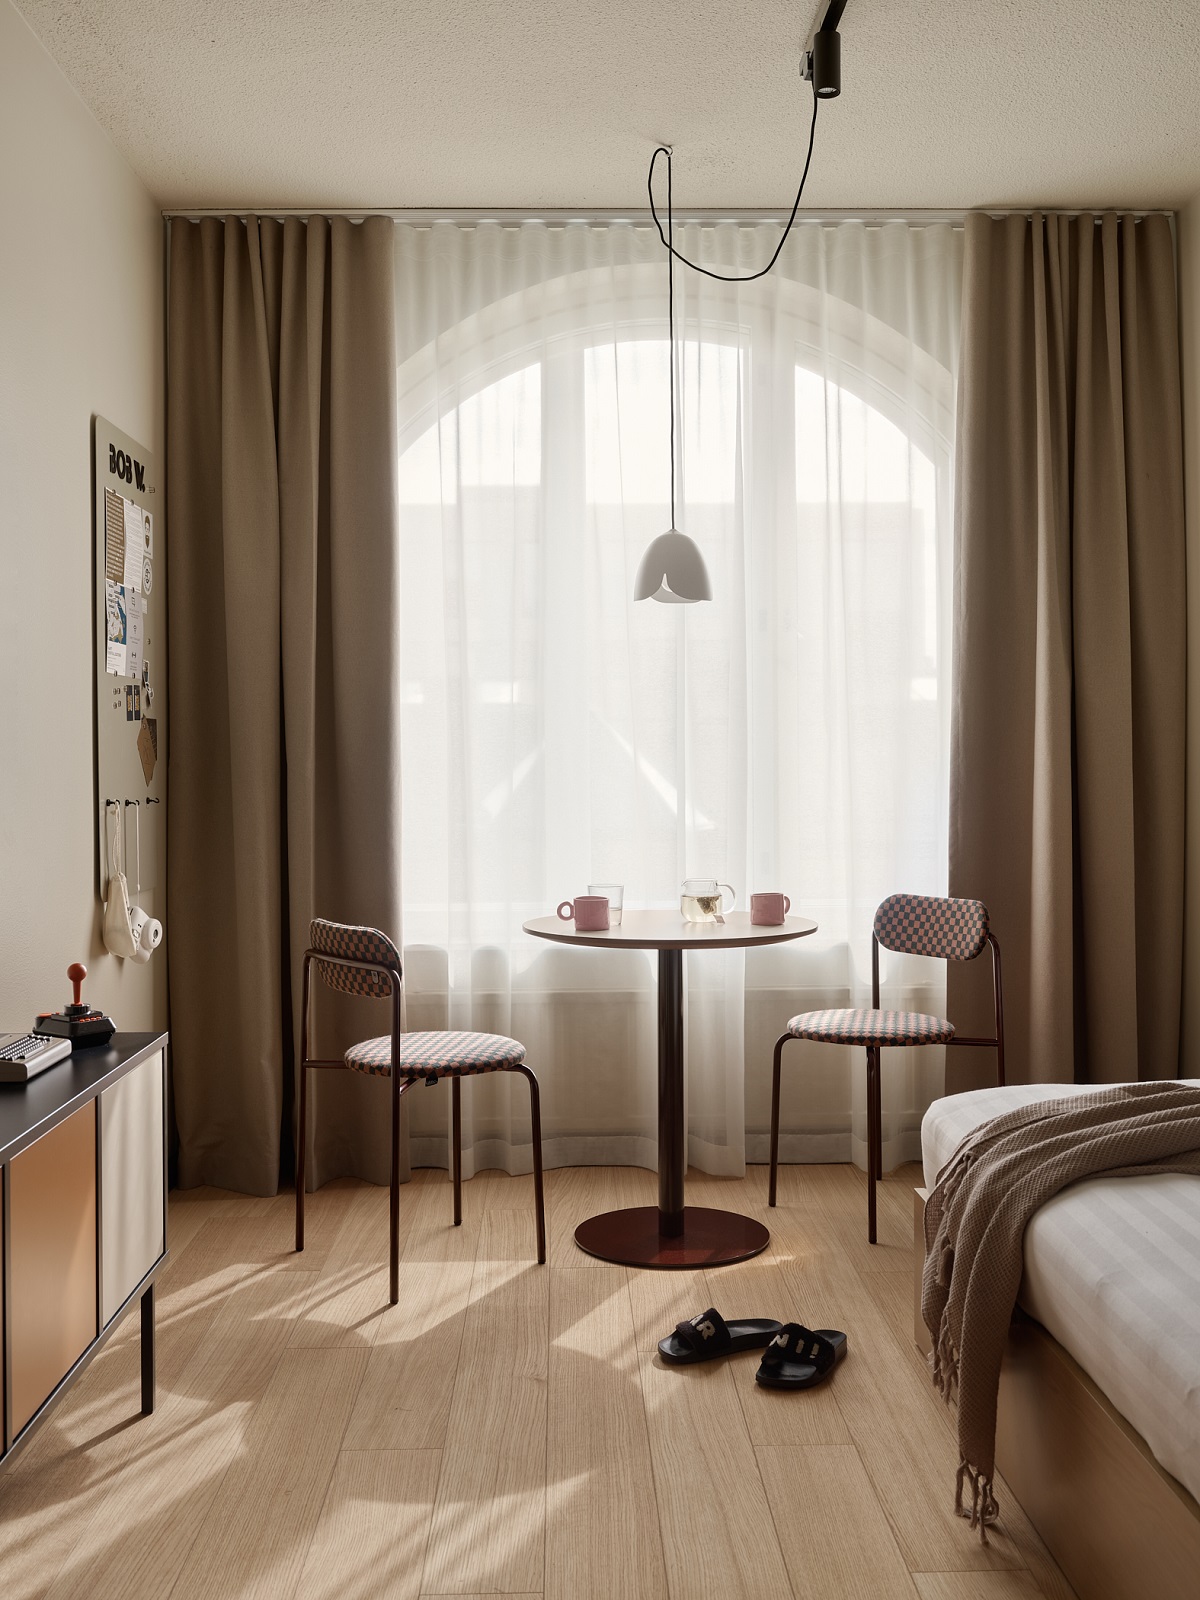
(118, 917)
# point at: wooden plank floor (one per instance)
(507, 1429)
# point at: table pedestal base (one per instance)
(631, 1238)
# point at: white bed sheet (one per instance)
(1112, 1271)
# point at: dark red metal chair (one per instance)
(363, 961)
(951, 930)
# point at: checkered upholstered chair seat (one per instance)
(359, 960)
(912, 924)
(437, 1055)
(873, 1028)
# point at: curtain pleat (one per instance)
(285, 771)
(1067, 772)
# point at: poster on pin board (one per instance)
(131, 652)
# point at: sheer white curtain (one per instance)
(791, 735)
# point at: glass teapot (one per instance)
(703, 900)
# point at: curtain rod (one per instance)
(422, 216)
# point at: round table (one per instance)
(672, 1234)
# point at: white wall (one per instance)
(1189, 308)
(81, 314)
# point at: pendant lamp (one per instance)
(672, 570)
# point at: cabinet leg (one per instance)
(148, 1378)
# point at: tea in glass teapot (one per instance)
(703, 900)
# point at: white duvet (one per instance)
(1112, 1271)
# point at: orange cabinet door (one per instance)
(52, 1242)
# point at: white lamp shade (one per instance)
(673, 571)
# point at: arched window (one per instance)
(791, 734)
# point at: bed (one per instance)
(1099, 1423)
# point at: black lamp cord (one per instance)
(674, 255)
(728, 277)
(670, 307)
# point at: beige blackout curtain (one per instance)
(1067, 764)
(284, 798)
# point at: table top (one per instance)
(28, 1110)
(667, 930)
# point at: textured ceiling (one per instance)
(558, 103)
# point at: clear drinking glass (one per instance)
(615, 893)
(702, 900)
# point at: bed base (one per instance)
(1119, 1526)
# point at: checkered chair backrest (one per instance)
(923, 925)
(359, 944)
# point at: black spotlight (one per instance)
(825, 64)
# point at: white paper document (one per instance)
(135, 545)
(134, 627)
(116, 629)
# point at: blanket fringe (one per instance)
(984, 1508)
(944, 1361)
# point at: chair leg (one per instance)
(878, 1115)
(775, 1118)
(398, 1089)
(301, 1152)
(872, 1134)
(456, 1140)
(535, 1112)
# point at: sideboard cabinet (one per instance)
(83, 1219)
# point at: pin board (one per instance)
(131, 660)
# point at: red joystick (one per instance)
(77, 1022)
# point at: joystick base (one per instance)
(92, 1028)
(77, 1022)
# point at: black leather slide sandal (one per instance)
(798, 1358)
(708, 1336)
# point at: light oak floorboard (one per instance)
(637, 1187)
(507, 1429)
(598, 1471)
(717, 1531)
(267, 1235)
(572, 1195)
(350, 1298)
(404, 1400)
(836, 1539)
(892, 1293)
(838, 1195)
(254, 1541)
(496, 1191)
(142, 1531)
(976, 1586)
(490, 1515)
(661, 1299)
(371, 1536)
(908, 1451)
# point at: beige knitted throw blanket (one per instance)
(975, 1222)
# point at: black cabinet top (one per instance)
(28, 1110)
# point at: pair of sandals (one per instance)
(794, 1357)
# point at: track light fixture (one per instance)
(672, 569)
(822, 65)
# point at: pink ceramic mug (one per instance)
(589, 910)
(769, 910)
